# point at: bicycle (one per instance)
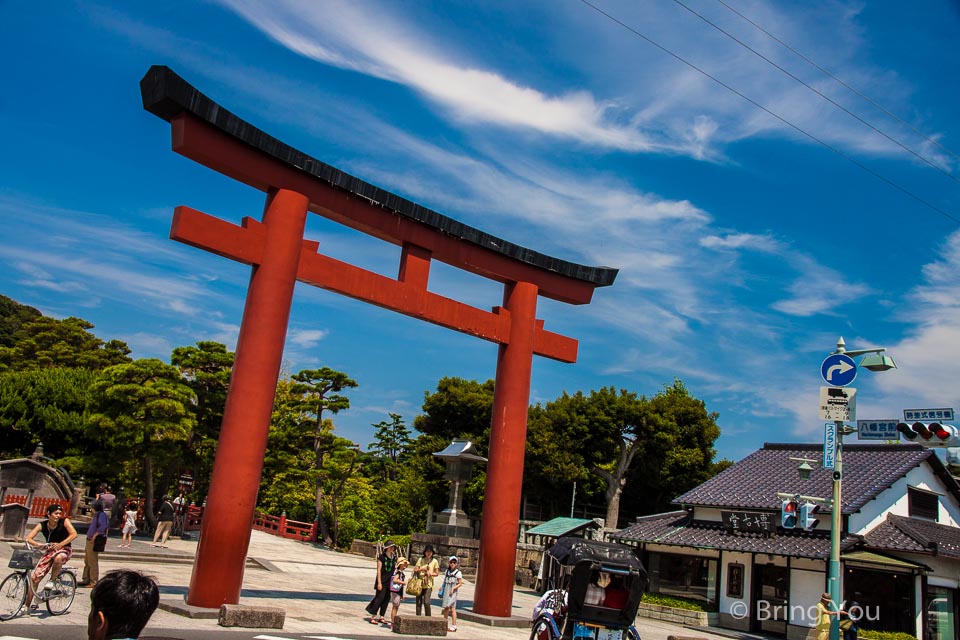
(58, 593)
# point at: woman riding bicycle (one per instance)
(58, 531)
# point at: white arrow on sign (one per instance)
(841, 368)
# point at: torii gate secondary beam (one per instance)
(407, 295)
(275, 248)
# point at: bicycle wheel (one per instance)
(13, 595)
(60, 597)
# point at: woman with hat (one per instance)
(427, 568)
(825, 609)
(386, 565)
(452, 581)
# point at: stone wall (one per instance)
(678, 616)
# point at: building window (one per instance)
(923, 504)
(684, 576)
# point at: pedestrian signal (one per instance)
(788, 514)
(808, 512)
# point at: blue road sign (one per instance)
(838, 370)
(829, 445)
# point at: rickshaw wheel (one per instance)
(541, 630)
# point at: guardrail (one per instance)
(38, 506)
(281, 526)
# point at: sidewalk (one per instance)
(323, 592)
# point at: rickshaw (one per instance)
(574, 566)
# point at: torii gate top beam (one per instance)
(357, 204)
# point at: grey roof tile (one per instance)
(677, 529)
(931, 537)
(753, 483)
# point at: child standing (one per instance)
(129, 524)
(396, 589)
(452, 581)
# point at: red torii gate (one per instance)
(296, 184)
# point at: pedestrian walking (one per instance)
(427, 568)
(96, 542)
(164, 523)
(452, 581)
(129, 524)
(386, 565)
(825, 609)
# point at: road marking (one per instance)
(272, 638)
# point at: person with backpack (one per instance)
(396, 589)
(452, 581)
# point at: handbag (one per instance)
(100, 543)
(415, 586)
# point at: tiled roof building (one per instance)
(900, 541)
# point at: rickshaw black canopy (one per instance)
(569, 551)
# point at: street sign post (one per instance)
(838, 404)
(830, 445)
(878, 430)
(838, 370)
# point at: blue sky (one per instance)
(745, 248)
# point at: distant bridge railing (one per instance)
(38, 506)
(285, 528)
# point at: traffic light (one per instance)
(788, 514)
(933, 434)
(808, 511)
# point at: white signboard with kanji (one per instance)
(838, 404)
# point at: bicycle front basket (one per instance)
(22, 559)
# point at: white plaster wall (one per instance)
(737, 607)
(805, 590)
(894, 500)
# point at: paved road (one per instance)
(323, 593)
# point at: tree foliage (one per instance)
(47, 342)
(142, 411)
(392, 441)
(206, 369)
(12, 316)
(48, 406)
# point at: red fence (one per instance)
(38, 508)
(280, 526)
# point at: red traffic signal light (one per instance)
(930, 435)
(788, 514)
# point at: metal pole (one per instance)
(833, 566)
(573, 497)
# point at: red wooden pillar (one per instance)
(225, 533)
(508, 433)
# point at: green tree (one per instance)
(319, 390)
(142, 411)
(680, 455)
(459, 408)
(392, 442)
(206, 369)
(46, 342)
(658, 446)
(12, 316)
(48, 406)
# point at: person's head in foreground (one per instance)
(121, 603)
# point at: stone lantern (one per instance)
(460, 457)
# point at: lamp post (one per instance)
(874, 360)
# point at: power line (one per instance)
(841, 82)
(818, 92)
(729, 88)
